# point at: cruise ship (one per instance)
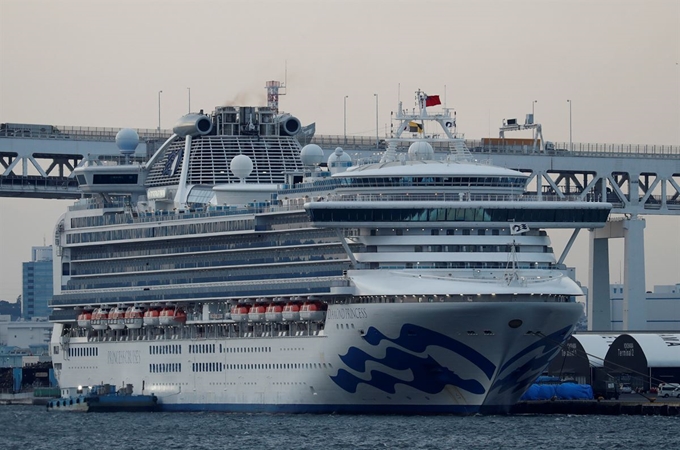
(238, 270)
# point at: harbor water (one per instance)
(32, 427)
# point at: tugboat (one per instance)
(104, 398)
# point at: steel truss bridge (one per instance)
(38, 161)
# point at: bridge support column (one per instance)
(634, 289)
(634, 297)
(599, 301)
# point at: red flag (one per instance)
(432, 100)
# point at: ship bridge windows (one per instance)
(469, 214)
(433, 181)
(114, 178)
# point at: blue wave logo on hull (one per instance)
(428, 374)
(521, 377)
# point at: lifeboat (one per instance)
(291, 311)
(85, 319)
(315, 311)
(150, 318)
(172, 316)
(274, 312)
(257, 312)
(134, 317)
(100, 319)
(239, 313)
(117, 319)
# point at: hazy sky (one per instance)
(102, 63)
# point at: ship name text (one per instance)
(347, 313)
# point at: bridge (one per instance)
(37, 161)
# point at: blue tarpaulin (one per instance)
(17, 374)
(53, 379)
(566, 391)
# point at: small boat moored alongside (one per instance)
(104, 398)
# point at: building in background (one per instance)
(662, 306)
(37, 284)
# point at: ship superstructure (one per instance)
(238, 270)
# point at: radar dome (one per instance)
(127, 140)
(311, 155)
(241, 166)
(420, 151)
(339, 161)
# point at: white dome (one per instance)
(339, 161)
(127, 140)
(420, 151)
(241, 166)
(311, 155)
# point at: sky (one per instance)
(103, 63)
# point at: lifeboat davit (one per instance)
(257, 312)
(239, 313)
(85, 319)
(100, 319)
(291, 311)
(313, 311)
(274, 312)
(134, 317)
(172, 316)
(117, 319)
(151, 318)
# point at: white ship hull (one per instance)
(410, 285)
(372, 358)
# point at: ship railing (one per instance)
(455, 197)
(578, 149)
(192, 213)
(100, 134)
(202, 291)
(365, 143)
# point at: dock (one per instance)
(594, 407)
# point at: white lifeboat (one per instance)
(257, 312)
(85, 319)
(150, 318)
(274, 312)
(100, 318)
(315, 310)
(172, 316)
(134, 317)
(117, 319)
(239, 313)
(291, 312)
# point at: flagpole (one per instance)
(377, 129)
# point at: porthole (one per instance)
(515, 323)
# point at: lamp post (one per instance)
(377, 130)
(533, 119)
(189, 89)
(345, 116)
(159, 110)
(570, 144)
